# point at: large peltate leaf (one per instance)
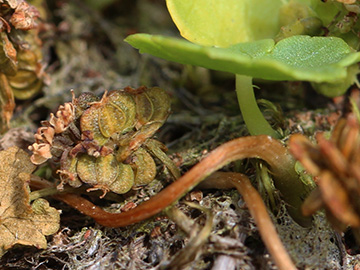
(223, 23)
(316, 59)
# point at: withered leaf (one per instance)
(20, 222)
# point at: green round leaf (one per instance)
(223, 23)
(316, 59)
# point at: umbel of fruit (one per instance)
(106, 143)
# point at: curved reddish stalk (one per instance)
(264, 147)
(223, 180)
(258, 211)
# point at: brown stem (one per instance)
(258, 211)
(264, 147)
(262, 219)
(216, 180)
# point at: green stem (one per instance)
(43, 193)
(52, 190)
(254, 119)
(155, 148)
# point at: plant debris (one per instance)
(20, 222)
(21, 71)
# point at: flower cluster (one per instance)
(45, 135)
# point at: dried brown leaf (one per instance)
(20, 222)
